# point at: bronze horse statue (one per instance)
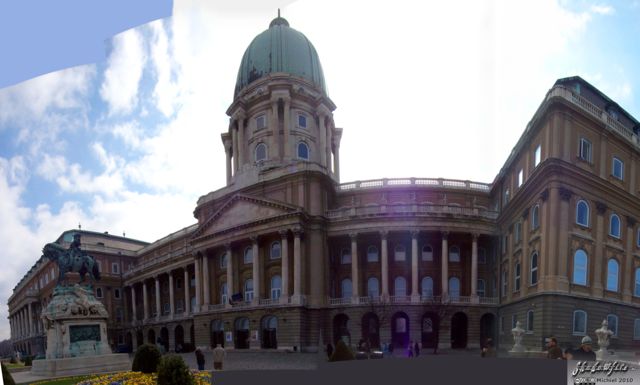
(72, 260)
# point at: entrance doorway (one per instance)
(341, 329)
(269, 332)
(430, 330)
(371, 330)
(400, 330)
(242, 333)
(217, 333)
(487, 328)
(164, 335)
(459, 331)
(179, 338)
(151, 337)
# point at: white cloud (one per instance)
(602, 9)
(166, 91)
(123, 73)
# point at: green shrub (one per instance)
(13, 360)
(6, 376)
(146, 359)
(342, 353)
(28, 360)
(173, 371)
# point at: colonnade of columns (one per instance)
(415, 294)
(158, 298)
(22, 322)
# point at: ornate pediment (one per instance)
(243, 210)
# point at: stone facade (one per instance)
(446, 263)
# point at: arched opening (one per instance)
(341, 329)
(371, 330)
(217, 333)
(139, 338)
(151, 337)
(128, 340)
(164, 337)
(487, 328)
(459, 331)
(430, 329)
(192, 335)
(242, 333)
(269, 332)
(400, 330)
(179, 338)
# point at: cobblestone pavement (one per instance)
(248, 360)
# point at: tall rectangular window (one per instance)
(520, 177)
(585, 149)
(261, 122)
(617, 168)
(302, 121)
(537, 156)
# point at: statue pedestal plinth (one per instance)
(81, 365)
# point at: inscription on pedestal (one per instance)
(79, 333)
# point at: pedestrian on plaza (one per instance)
(410, 349)
(200, 359)
(584, 352)
(488, 350)
(391, 348)
(218, 357)
(329, 350)
(416, 347)
(554, 351)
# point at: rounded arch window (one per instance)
(248, 290)
(261, 152)
(223, 293)
(346, 288)
(400, 253)
(427, 287)
(400, 287)
(276, 287)
(372, 254)
(303, 151)
(612, 275)
(275, 250)
(248, 255)
(580, 267)
(533, 279)
(373, 287)
(454, 254)
(614, 226)
(345, 256)
(582, 213)
(427, 253)
(535, 217)
(454, 288)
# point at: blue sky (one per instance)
(127, 137)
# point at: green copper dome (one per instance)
(280, 49)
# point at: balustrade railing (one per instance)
(436, 182)
(417, 209)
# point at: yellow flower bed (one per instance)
(139, 378)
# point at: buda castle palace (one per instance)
(288, 257)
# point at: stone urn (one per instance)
(517, 333)
(603, 334)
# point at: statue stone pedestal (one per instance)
(517, 332)
(76, 326)
(603, 334)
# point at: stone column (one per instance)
(297, 264)
(241, 145)
(187, 287)
(205, 280)
(172, 308)
(355, 282)
(323, 139)
(415, 293)
(445, 265)
(336, 161)
(544, 230)
(627, 272)
(29, 319)
(145, 301)
(384, 262)
(229, 274)
(234, 144)
(287, 127)
(328, 144)
(133, 303)
(198, 283)
(563, 246)
(256, 270)
(284, 249)
(227, 151)
(525, 268)
(158, 302)
(474, 268)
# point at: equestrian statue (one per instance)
(72, 260)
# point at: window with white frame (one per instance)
(115, 268)
(516, 277)
(579, 322)
(454, 254)
(636, 329)
(530, 321)
(276, 287)
(400, 287)
(302, 121)
(614, 226)
(116, 293)
(582, 213)
(520, 177)
(636, 290)
(303, 151)
(506, 196)
(585, 149)
(427, 253)
(480, 288)
(248, 290)
(612, 275)
(535, 217)
(580, 261)
(373, 288)
(223, 293)
(517, 232)
(399, 253)
(346, 288)
(99, 268)
(261, 152)
(99, 292)
(617, 168)
(537, 154)
(248, 255)
(223, 260)
(514, 321)
(454, 288)
(345, 256)
(482, 255)
(261, 122)
(193, 304)
(275, 250)
(533, 269)
(426, 285)
(372, 253)
(166, 308)
(612, 320)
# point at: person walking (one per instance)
(410, 349)
(329, 350)
(200, 359)
(416, 347)
(218, 357)
(554, 351)
(584, 352)
(488, 350)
